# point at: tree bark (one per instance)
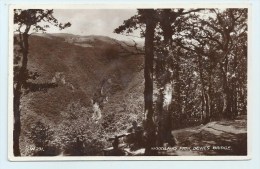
(227, 114)
(167, 18)
(161, 130)
(205, 98)
(21, 82)
(17, 121)
(148, 75)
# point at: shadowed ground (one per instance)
(215, 138)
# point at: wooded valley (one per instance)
(184, 86)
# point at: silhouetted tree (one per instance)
(215, 41)
(198, 56)
(26, 22)
(146, 17)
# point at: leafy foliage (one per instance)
(197, 73)
(26, 21)
(197, 61)
(33, 18)
(41, 136)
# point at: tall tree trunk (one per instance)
(177, 88)
(17, 121)
(166, 22)
(161, 128)
(227, 104)
(21, 82)
(148, 75)
(165, 125)
(207, 109)
(205, 95)
(160, 64)
(202, 107)
(208, 98)
(227, 114)
(224, 69)
(235, 86)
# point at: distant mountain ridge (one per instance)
(83, 40)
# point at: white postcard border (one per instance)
(11, 157)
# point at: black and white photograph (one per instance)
(113, 83)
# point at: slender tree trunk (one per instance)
(227, 98)
(226, 112)
(208, 98)
(207, 109)
(161, 81)
(224, 69)
(227, 108)
(166, 26)
(235, 86)
(161, 130)
(205, 95)
(21, 82)
(244, 108)
(165, 127)
(234, 101)
(177, 87)
(148, 75)
(17, 121)
(202, 107)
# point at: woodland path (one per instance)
(215, 138)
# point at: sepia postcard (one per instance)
(129, 82)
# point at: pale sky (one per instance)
(93, 21)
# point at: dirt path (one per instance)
(215, 138)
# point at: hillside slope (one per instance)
(98, 73)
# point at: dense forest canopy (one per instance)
(199, 58)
